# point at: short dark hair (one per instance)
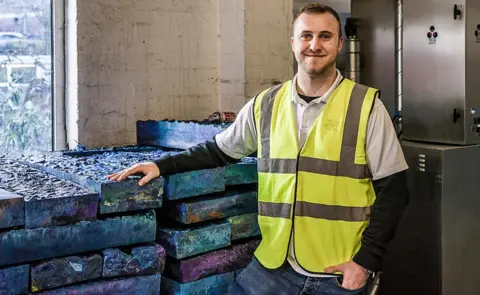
(318, 8)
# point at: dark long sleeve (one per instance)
(202, 156)
(392, 199)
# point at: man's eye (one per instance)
(305, 36)
(325, 36)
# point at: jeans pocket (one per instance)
(338, 283)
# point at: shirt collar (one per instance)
(296, 98)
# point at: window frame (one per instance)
(59, 136)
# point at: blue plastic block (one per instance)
(143, 260)
(195, 183)
(176, 134)
(14, 280)
(185, 242)
(217, 206)
(11, 210)
(146, 285)
(92, 171)
(41, 243)
(214, 285)
(65, 271)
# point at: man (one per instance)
(332, 183)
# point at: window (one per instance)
(26, 84)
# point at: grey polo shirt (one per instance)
(384, 153)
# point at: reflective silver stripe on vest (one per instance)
(331, 212)
(280, 210)
(277, 165)
(345, 167)
(334, 168)
(266, 118)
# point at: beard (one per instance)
(317, 71)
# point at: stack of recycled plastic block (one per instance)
(66, 229)
(208, 225)
(59, 237)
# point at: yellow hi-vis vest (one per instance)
(322, 191)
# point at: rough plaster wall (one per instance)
(140, 60)
(268, 54)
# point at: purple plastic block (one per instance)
(212, 207)
(146, 285)
(214, 285)
(212, 263)
(11, 210)
(65, 271)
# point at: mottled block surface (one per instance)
(11, 210)
(91, 171)
(64, 271)
(211, 207)
(14, 280)
(129, 196)
(185, 242)
(60, 211)
(244, 226)
(176, 134)
(244, 172)
(41, 243)
(48, 200)
(142, 260)
(195, 183)
(214, 285)
(143, 285)
(212, 263)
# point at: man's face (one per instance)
(316, 42)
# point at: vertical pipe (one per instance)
(399, 55)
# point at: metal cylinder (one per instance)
(398, 54)
(352, 68)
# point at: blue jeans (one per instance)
(257, 280)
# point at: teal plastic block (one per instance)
(42, 243)
(143, 285)
(244, 226)
(185, 242)
(214, 285)
(195, 183)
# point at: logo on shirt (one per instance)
(332, 125)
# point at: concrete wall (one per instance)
(175, 59)
(268, 53)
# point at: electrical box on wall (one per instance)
(441, 66)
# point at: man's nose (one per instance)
(315, 44)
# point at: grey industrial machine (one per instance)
(441, 69)
(436, 247)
